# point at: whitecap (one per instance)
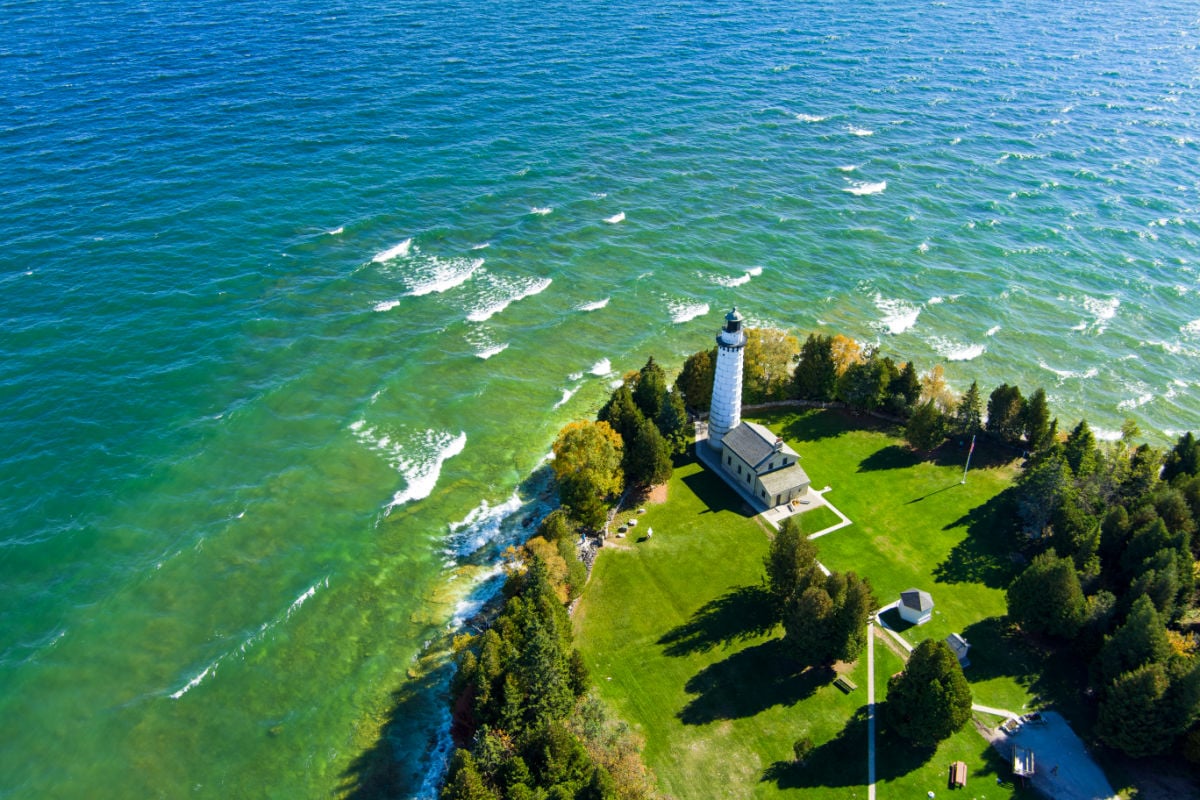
(686, 312)
(421, 471)
(480, 526)
(898, 315)
(303, 598)
(809, 118)
(386, 305)
(730, 281)
(574, 376)
(615, 218)
(194, 682)
(923, 247)
(957, 351)
(336, 231)
(482, 246)
(601, 367)
(1106, 434)
(541, 210)
(616, 383)
(1102, 309)
(594, 306)
(992, 331)
(442, 275)
(1135, 402)
(395, 251)
(514, 293)
(567, 394)
(848, 167)
(1065, 374)
(857, 131)
(754, 272)
(1191, 329)
(956, 140)
(861, 188)
(933, 301)
(488, 352)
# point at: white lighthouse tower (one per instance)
(726, 410)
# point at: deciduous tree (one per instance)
(767, 363)
(587, 463)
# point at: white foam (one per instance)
(616, 383)
(518, 292)
(1102, 310)
(730, 282)
(809, 118)
(1106, 434)
(1191, 329)
(861, 188)
(857, 131)
(541, 210)
(686, 312)
(923, 247)
(601, 368)
(303, 598)
(898, 315)
(1135, 402)
(956, 140)
(566, 395)
(992, 331)
(480, 526)
(933, 301)
(615, 218)
(574, 376)
(488, 352)
(956, 351)
(336, 231)
(594, 306)
(442, 275)
(194, 682)
(482, 246)
(754, 272)
(386, 305)
(395, 251)
(1065, 374)
(848, 167)
(422, 471)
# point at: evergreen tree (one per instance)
(816, 374)
(621, 412)
(907, 386)
(672, 423)
(1036, 421)
(862, 385)
(1080, 450)
(930, 699)
(791, 563)
(968, 414)
(1184, 458)
(463, 781)
(1141, 640)
(1134, 716)
(1004, 408)
(650, 391)
(1042, 490)
(647, 456)
(695, 380)
(926, 427)
(1046, 597)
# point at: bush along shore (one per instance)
(1108, 529)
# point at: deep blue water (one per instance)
(295, 295)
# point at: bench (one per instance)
(845, 684)
(958, 774)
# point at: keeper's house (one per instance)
(763, 464)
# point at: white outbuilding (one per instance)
(916, 606)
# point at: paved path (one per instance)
(870, 710)
(999, 712)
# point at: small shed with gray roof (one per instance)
(763, 464)
(916, 606)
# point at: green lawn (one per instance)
(678, 639)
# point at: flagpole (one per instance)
(967, 466)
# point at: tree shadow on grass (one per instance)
(809, 425)
(742, 613)
(985, 555)
(842, 761)
(893, 456)
(716, 494)
(749, 682)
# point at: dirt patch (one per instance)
(658, 494)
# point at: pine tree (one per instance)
(926, 427)
(816, 374)
(930, 699)
(968, 419)
(1035, 418)
(621, 412)
(1133, 715)
(647, 456)
(791, 563)
(1141, 640)
(650, 391)
(1046, 597)
(695, 380)
(672, 423)
(1004, 408)
(1184, 458)
(1080, 450)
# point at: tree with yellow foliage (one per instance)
(587, 463)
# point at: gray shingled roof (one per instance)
(917, 600)
(754, 444)
(783, 480)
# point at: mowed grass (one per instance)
(679, 638)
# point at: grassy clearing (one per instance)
(679, 639)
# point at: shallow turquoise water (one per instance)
(250, 433)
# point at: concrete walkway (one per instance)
(870, 710)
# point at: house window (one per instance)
(728, 459)
(739, 469)
(770, 466)
(762, 492)
(778, 499)
(748, 478)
